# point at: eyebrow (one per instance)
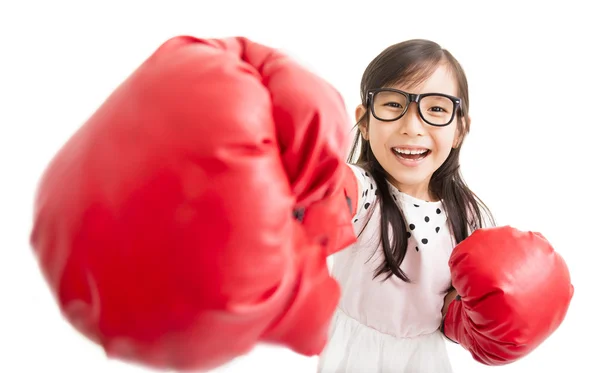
(427, 92)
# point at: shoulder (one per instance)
(367, 189)
(363, 176)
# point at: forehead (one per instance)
(442, 80)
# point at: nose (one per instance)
(411, 123)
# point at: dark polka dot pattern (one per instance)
(423, 218)
(368, 195)
(422, 232)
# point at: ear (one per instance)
(458, 137)
(362, 125)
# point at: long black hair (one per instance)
(410, 62)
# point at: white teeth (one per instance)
(410, 151)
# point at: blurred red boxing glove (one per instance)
(514, 292)
(190, 217)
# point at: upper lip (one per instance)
(410, 147)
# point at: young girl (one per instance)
(414, 207)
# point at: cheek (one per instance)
(444, 140)
(378, 137)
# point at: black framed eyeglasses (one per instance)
(389, 104)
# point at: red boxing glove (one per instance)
(165, 226)
(514, 290)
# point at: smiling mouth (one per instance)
(411, 154)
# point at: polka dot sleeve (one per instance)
(367, 192)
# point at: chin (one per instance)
(416, 182)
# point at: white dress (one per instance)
(391, 326)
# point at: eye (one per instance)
(393, 104)
(437, 105)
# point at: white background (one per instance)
(532, 153)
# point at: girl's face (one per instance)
(430, 145)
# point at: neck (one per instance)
(419, 191)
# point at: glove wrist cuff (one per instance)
(450, 316)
